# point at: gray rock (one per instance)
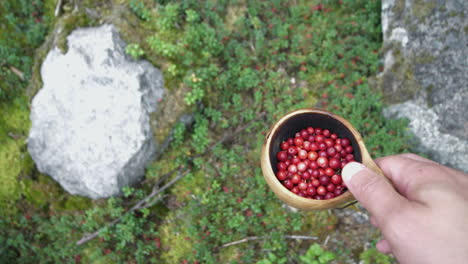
(91, 120)
(425, 62)
(430, 138)
(425, 45)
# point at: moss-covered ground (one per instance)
(241, 64)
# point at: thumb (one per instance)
(372, 190)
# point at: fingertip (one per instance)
(384, 247)
(350, 170)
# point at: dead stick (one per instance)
(250, 238)
(140, 205)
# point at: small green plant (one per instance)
(140, 10)
(272, 259)
(373, 256)
(317, 255)
(134, 50)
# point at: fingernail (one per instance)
(350, 169)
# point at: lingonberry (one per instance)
(302, 186)
(281, 166)
(310, 130)
(345, 142)
(334, 163)
(298, 141)
(304, 134)
(282, 156)
(330, 187)
(322, 162)
(296, 179)
(292, 150)
(292, 168)
(328, 195)
(284, 145)
(324, 180)
(302, 154)
(302, 167)
(336, 179)
(329, 171)
(282, 175)
(321, 190)
(331, 151)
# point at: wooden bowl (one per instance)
(285, 128)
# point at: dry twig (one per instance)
(251, 238)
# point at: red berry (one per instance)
(306, 145)
(321, 190)
(338, 192)
(302, 186)
(338, 147)
(315, 183)
(326, 133)
(288, 184)
(284, 145)
(313, 165)
(288, 162)
(318, 197)
(292, 150)
(336, 179)
(334, 163)
(302, 154)
(281, 166)
(301, 166)
(331, 151)
(323, 153)
(282, 156)
(324, 180)
(322, 146)
(314, 146)
(310, 130)
(349, 149)
(281, 175)
(330, 187)
(329, 142)
(311, 191)
(290, 141)
(329, 171)
(316, 174)
(312, 155)
(322, 162)
(295, 160)
(311, 139)
(292, 168)
(319, 138)
(295, 179)
(318, 131)
(345, 142)
(305, 175)
(333, 136)
(349, 157)
(295, 190)
(321, 172)
(298, 141)
(304, 134)
(329, 196)
(306, 162)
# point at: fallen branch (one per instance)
(58, 6)
(145, 203)
(251, 238)
(17, 72)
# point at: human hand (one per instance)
(423, 216)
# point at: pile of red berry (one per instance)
(310, 164)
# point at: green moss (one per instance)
(424, 58)
(422, 9)
(14, 161)
(174, 236)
